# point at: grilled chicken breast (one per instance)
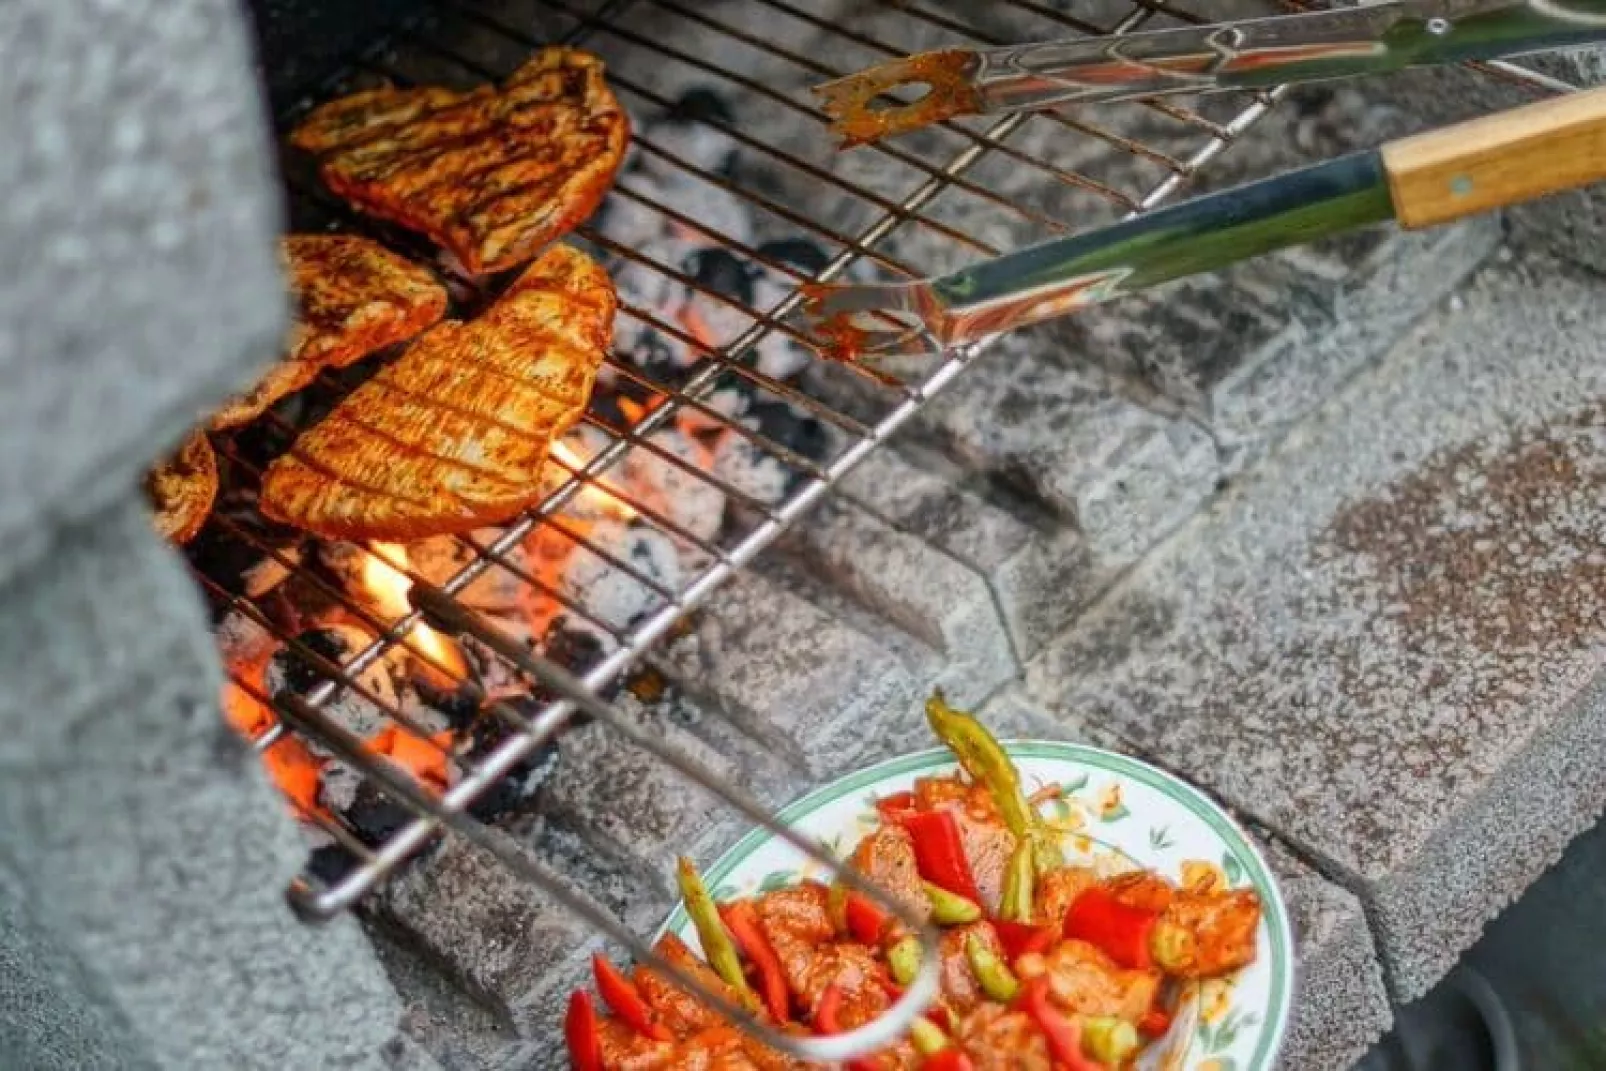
(492, 175)
(182, 489)
(452, 436)
(352, 298)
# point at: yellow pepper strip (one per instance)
(996, 979)
(1020, 880)
(717, 946)
(903, 959)
(950, 909)
(927, 1036)
(989, 765)
(1108, 1039)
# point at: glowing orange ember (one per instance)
(289, 764)
(597, 496)
(386, 583)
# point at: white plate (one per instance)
(1114, 812)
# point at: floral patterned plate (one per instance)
(1114, 813)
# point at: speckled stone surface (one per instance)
(138, 276)
(1384, 643)
(147, 849)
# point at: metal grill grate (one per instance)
(891, 208)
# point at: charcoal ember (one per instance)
(752, 470)
(236, 556)
(676, 491)
(338, 785)
(574, 648)
(786, 425)
(614, 596)
(497, 589)
(245, 646)
(290, 669)
(728, 402)
(516, 791)
(778, 355)
(331, 864)
(690, 128)
(723, 272)
(804, 254)
(701, 104)
(374, 817)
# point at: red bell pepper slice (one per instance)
(865, 919)
(1121, 931)
(1019, 938)
(894, 807)
(741, 919)
(1154, 1023)
(827, 1020)
(940, 852)
(948, 1060)
(622, 998)
(1064, 1035)
(582, 1033)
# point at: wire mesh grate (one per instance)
(643, 450)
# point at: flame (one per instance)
(386, 583)
(597, 496)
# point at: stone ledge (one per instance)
(1380, 644)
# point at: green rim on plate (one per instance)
(1256, 872)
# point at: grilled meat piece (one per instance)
(1058, 889)
(961, 990)
(492, 175)
(453, 435)
(887, 857)
(182, 489)
(1084, 981)
(984, 838)
(997, 1039)
(1211, 933)
(677, 1009)
(798, 926)
(352, 298)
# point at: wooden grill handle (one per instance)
(1498, 160)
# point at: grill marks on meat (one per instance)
(352, 298)
(452, 436)
(183, 488)
(492, 175)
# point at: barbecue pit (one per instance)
(713, 437)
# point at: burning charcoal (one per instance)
(373, 816)
(614, 596)
(752, 470)
(701, 104)
(496, 590)
(690, 130)
(337, 787)
(781, 423)
(337, 643)
(723, 272)
(331, 863)
(803, 254)
(779, 355)
(517, 790)
(692, 503)
(575, 650)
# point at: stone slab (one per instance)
(477, 920)
(800, 682)
(919, 588)
(138, 277)
(144, 840)
(1038, 568)
(1383, 643)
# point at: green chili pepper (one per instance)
(986, 761)
(950, 909)
(1020, 880)
(996, 979)
(1108, 1039)
(903, 959)
(927, 1036)
(717, 946)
